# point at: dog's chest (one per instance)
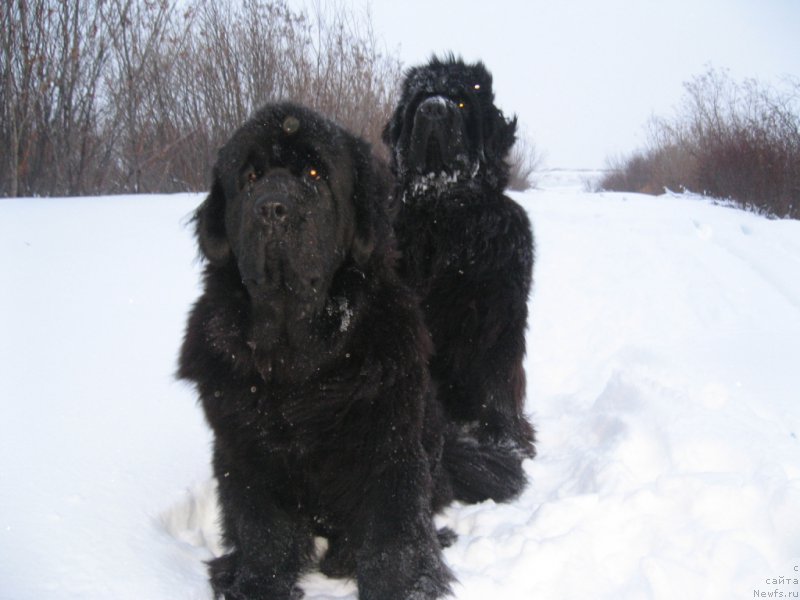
(306, 418)
(446, 241)
(312, 439)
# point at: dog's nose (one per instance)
(434, 108)
(271, 210)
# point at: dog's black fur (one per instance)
(467, 249)
(310, 358)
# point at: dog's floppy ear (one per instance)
(506, 134)
(210, 225)
(501, 137)
(394, 127)
(392, 130)
(389, 134)
(502, 133)
(371, 197)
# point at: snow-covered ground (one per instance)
(664, 380)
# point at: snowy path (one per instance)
(664, 380)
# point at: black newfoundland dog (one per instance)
(310, 359)
(467, 249)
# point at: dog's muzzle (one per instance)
(437, 138)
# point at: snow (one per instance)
(663, 381)
(436, 181)
(343, 311)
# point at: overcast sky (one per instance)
(584, 76)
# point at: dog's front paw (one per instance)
(446, 536)
(231, 580)
(339, 561)
(222, 574)
(406, 573)
(429, 588)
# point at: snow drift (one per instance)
(663, 380)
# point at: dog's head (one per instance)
(446, 126)
(294, 200)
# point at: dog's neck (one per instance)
(291, 341)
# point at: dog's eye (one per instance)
(476, 87)
(313, 173)
(250, 175)
(462, 104)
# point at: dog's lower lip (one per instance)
(433, 151)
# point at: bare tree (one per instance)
(139, 33)
(137, 95)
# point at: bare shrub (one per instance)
(631, 173)
(137, 95)
(746, 142)
(356, 80)
(525, 160)
(736, 141)
(224, 60)
(650, 171)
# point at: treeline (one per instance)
(738, 141)
(120, 96)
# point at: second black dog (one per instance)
(468, 251)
